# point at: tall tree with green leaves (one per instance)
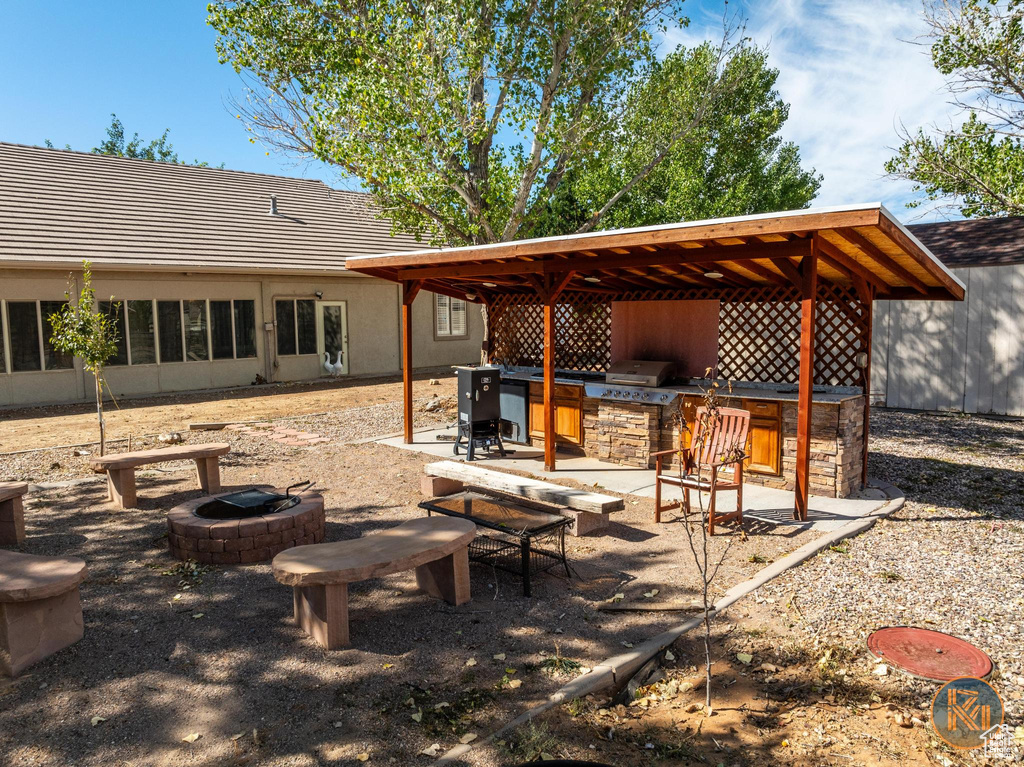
(734, 163)
(81, 329)
(468, 119)
(977, 168)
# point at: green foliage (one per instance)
(79, 328)
(978, 168)
(733, 161)
(116, 145)
(479, 122)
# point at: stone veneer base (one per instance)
(243, 541)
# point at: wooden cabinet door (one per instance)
(568, 421)
(536, 417)
(763, 446)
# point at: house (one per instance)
(215, 278)
(965, 356)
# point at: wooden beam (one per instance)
(762, 271)
(789, 270)
(869, 305)
(907, 244)
(409, 291)
(795, 248)
(549, 381)
(834, 254)
(808, 311)
(871, 250)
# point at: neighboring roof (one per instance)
(856, 243)
(974, 242)
(58, 207)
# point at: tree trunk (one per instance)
(99, 412)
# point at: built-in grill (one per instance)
(479, 409)
(250, 503)
(634, 381)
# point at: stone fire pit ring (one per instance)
(243, 541)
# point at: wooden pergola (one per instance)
(820, 269)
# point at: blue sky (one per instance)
(847, 69)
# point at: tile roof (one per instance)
(974, 242)
(58, 207)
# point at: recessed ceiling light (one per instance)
(714, 275)
(591, 279)
(490, 284)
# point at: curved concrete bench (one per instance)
(120, 468)
(12, 513)
(40, 610)
(437, 547)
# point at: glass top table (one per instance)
(516, 527)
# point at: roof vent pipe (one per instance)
(273, 205)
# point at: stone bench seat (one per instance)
(120, 467)
(12, 513)
(590, 510)
(40, 609)
(436, 547)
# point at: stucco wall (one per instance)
(372, 313)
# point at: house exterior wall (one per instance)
(960, 356)
(372, 312)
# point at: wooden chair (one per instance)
(722, 448)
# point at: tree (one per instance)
(89, 334)
(157, 150)
(976, 169)
(465, 118)
(733, 163)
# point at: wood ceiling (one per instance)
(862, 247)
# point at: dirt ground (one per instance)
(76, 424)
(170, 652)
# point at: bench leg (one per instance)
(121, 487)
(322, 612)
(447, 578)
(31, 631)
(208, 472)
(12, 522)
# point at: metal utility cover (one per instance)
(929, 654)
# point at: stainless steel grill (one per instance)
(638, 373)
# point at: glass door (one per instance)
(332, 337)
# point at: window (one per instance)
(115, 311)
(24, 328)
(449, 317)
(168, 320)
(141, 336)
(296, 326)
(245, 329)
(195, 330)
(52, 358)
(284, 313)
(221, 330)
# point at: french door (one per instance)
(332, 333)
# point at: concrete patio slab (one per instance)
(763, 504)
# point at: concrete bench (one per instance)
(120, 468)
(12, 513)
(40, 610)
(437, 547)
(590, 510)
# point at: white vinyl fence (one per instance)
(960, 356)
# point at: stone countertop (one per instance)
(826, 395)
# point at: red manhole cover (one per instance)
(929, 654)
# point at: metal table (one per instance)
(514, 527)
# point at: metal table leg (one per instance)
(525, 555)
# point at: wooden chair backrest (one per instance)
(728, 434)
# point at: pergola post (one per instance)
(808, 312)
(409, 290)
(549, 289)
(870, 306)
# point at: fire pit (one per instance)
(248, 526)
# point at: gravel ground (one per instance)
(952, 559)
(167, 656)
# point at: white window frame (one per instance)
(448, 335)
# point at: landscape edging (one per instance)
(619, 668)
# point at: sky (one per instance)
(848, 69)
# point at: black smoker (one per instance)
(479, 409)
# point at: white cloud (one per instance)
(851, 74)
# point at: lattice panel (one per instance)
(760, 340)
(843, 331)
(759, 332)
